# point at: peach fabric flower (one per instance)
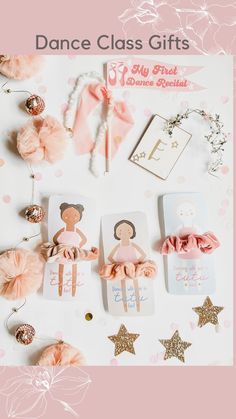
(42, 139)
(147, 269)
(61, 354)
(206, 242)
(128, 270)
(21, 273)
(54, 252)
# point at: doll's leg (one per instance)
(74, 279)
(60, 279)
(136, 290)
(124, 295)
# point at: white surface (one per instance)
(127, 188)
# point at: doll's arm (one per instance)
(112, 254)
(141, 252)
(57, 235)
(82, 236)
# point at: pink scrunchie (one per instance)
(206, 243)
(128, 270)
(52, 252)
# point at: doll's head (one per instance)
(186, 211)
(124, 229)
(71, 213)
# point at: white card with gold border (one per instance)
(156, 151)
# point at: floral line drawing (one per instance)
(28, 394)
(208, 25)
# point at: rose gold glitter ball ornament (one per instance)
(24, 334)
(34, 214)
(35, 105)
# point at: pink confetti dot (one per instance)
(224, 99)
(39, 79)
(58, 173)
(2, 162)
(126, 95)
(203, 105)
(227, 323)
(148, 194)
(42, 89)
(38, 176)
(221, 212)
(225, 203)
(174, 326)
(71, 81)
(133, 108)
(6, 199)
(224, 169)
(161, 355)
(2, 353)
(229, 136)
(193, 325)
(181, 179)
(154, 359)
(184, 104)
(113, 362)
(147, 112)
(58, 335)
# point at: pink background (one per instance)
(126, 391)
(208, 24)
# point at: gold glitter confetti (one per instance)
(124, 341)
(88, 316)
(207, 313)
(175, 347)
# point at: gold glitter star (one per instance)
(207, 313)
(124, 341)
(175, 347)
(174, 144)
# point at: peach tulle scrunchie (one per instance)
(128, 270)
(20, 67)
(21, 273)
(42, 139)
(206, 243)
(61, 354)
(54, 252)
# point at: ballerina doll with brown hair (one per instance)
(69, 235)
(127, 251)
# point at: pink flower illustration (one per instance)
(208, 26)
(149, 17)
(28, 394)
(212, 28)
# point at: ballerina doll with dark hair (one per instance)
(70, 235)
(127, 251)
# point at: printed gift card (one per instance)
(191, 272)
(125, 240)
(69, 225)
(157, 152)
